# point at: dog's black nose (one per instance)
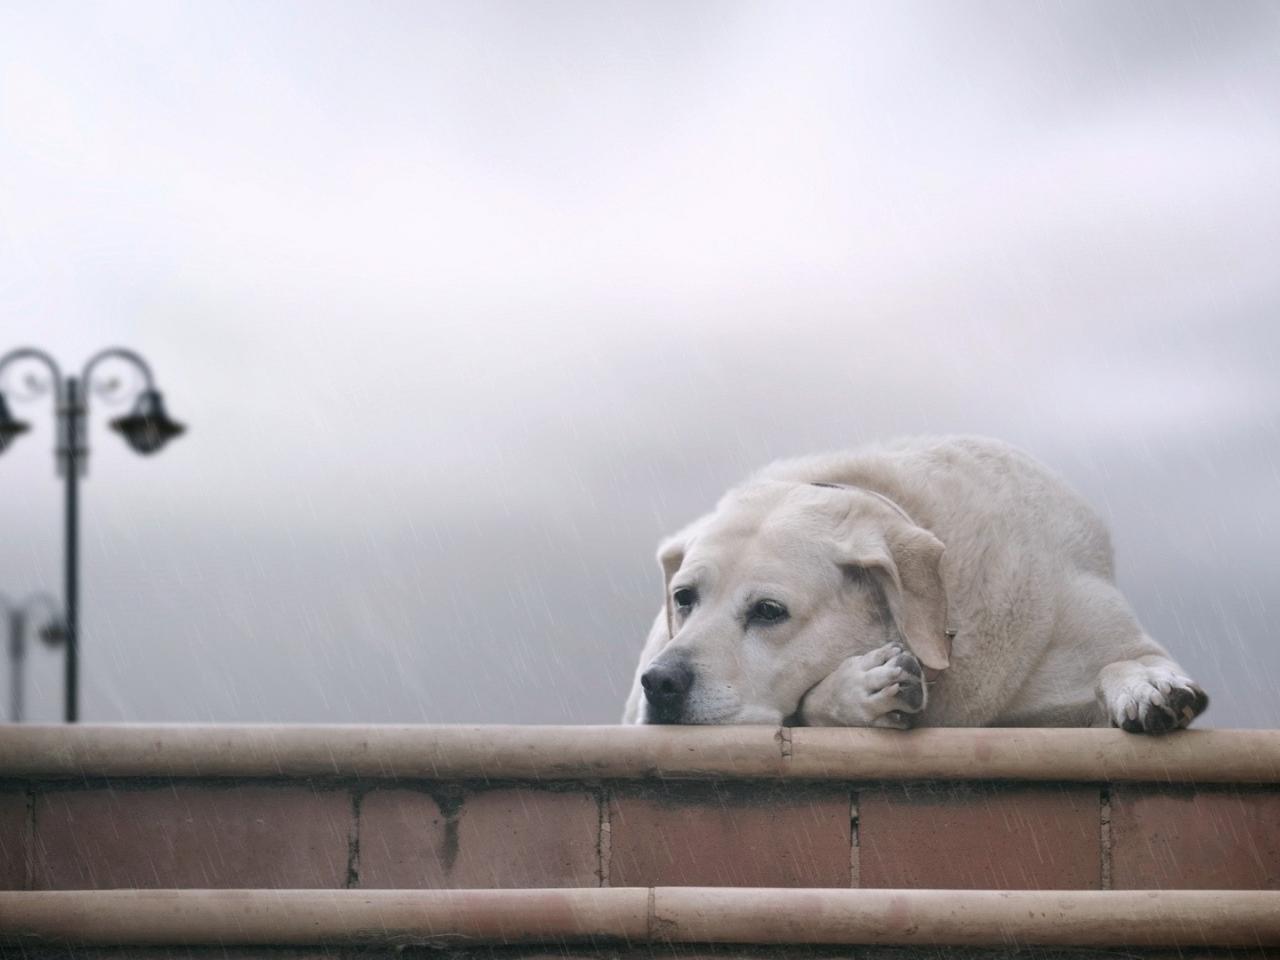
(666, 685)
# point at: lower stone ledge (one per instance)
(646, 952)
(665, 916)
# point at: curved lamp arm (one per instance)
(118, 353)
(30, 353)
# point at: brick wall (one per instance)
(372, 808)
(399, 833)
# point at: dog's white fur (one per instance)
(920, 537)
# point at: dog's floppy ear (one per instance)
(906, 562)
(671, 553)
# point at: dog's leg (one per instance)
(882, 688)
(1140, 688)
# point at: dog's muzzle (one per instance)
(666, 688)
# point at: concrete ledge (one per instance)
(1202, 918)
(620, 753)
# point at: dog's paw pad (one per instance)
(908, 662)
(911, 693)
(1187, 702)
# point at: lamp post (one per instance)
(19, 614)
(146, 429)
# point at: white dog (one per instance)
(937, 582)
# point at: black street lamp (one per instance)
(146, 429)
(29, 610)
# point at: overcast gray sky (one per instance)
(468, 304)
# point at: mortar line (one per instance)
(604, 839)
(353, 844)
(1104, 834)
(29, 840)
(855, 843)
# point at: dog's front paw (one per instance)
(1151, 699)
(895, 683)
(883, 688)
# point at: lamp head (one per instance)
(53, 633)
(148, 427)
(10, 428)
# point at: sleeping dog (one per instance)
(930, 582)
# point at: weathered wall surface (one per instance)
(100, 834)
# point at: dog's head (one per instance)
(769, 593)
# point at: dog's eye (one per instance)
(768, 611)
(685, 597)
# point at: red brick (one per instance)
(403, 840)
(1210, 838)
(192, 836)
(13, 840)
(980, 837)
(491, 838)
(737, 835)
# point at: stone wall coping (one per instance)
(576, 753)
(1175, 918)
